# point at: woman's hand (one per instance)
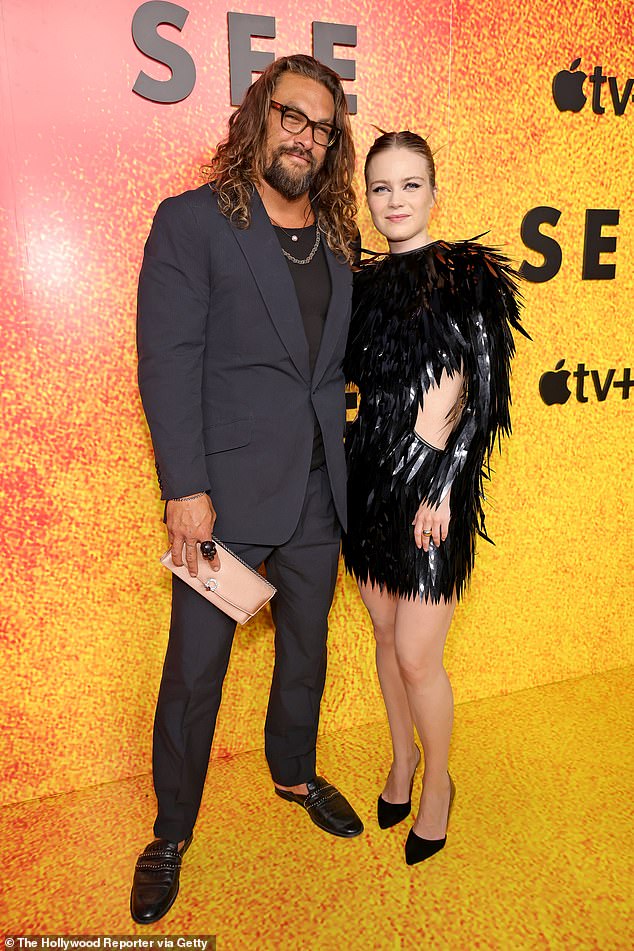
(432, 523)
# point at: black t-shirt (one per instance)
(313, 289)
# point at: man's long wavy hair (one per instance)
(239, 160)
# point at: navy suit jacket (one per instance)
(224, 370)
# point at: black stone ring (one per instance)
(208, 550)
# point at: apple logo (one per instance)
(553, 387)
(567, 89)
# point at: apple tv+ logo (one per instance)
(569, 95)
(553, 385)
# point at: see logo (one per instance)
(553, 385)
(569, 95)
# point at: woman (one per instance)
(429, 349)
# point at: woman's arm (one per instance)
(437, 416)
(440, 410)
(486, 293)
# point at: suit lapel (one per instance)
(261, 248)
(338, 309)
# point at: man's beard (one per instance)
(290, 185)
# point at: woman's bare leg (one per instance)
(382, 610)
(420, 632)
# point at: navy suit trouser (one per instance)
(304, 571)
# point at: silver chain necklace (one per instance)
(311, 253)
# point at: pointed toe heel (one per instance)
(391, 813)
(418, 849)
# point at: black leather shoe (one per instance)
(391, 813)
(418, 849)
(156, 879)
(326, 807)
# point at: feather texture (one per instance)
(446, 307)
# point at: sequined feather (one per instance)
(446, 307)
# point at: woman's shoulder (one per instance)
(451, 267)
(485, 274)
(369, 274)
(366, 267)
(475, 258)
(470, 251)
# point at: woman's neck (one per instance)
(411, 244)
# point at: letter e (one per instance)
(243, 61)
(325, 37)
(595, 244)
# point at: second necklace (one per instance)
(311, 253)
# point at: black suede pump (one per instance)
(391, 813)
(418, 849)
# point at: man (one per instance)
(244, 305)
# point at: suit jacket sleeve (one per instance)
(173, 305)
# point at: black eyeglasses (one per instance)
(293, 120)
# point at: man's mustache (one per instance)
(302, 153)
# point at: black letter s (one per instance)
(542, 243)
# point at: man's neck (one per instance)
(289, 213)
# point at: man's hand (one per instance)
(432, 523)
(190, 521)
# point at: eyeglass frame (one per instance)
(281, 108)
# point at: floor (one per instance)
(539, 852)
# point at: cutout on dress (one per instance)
(441, 410)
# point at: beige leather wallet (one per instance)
(236, 588)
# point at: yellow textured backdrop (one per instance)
(84, 164)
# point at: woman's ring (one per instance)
(430, 532)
